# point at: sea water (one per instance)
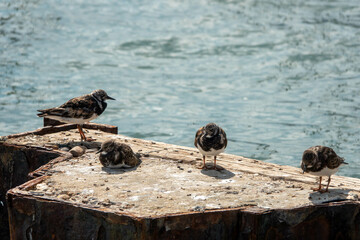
(278, 76)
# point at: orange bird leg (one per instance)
(82, 134)
(319, 188)
(326, 190)
(204, 165)
(214, 167)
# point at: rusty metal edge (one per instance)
(30, 147)
(42, 171)
(54, 129)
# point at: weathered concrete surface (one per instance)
(18, 159)
(160, 187)
(168, 197)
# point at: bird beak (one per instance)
(108, 97)
(98, 151)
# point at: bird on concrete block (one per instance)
(211, 141)
(321, 161)
(114, 154)
(79, 110)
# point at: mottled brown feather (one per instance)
(79, 107)
(117, 153)
(225, 141)
(214, 142)
(198, 135)
(326, 157)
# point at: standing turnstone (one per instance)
(79, 110)
(211, 141)
(321, 161)
(116, 155)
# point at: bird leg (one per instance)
(326, 190)
(319, 188)
(204, 165)
(82, 134)
(214, 167)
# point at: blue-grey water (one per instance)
(278, 76)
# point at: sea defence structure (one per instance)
(56, 188)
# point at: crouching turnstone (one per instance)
(321, 161)
(79, 110)
(211, 141)
(114, 154)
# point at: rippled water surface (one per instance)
(278, 76)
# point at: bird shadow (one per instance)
(222, 173)
(88, 145)
(333, 195)
(121, 170)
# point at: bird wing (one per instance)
(80, 107)
(57, 111)
(334, 160)
(330, 158)
(86, 104)
(225, 139)
(198, 135)
(85, 101)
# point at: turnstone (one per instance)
(211, 141)
(321, 161)
(79, 110)
(114, 154)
